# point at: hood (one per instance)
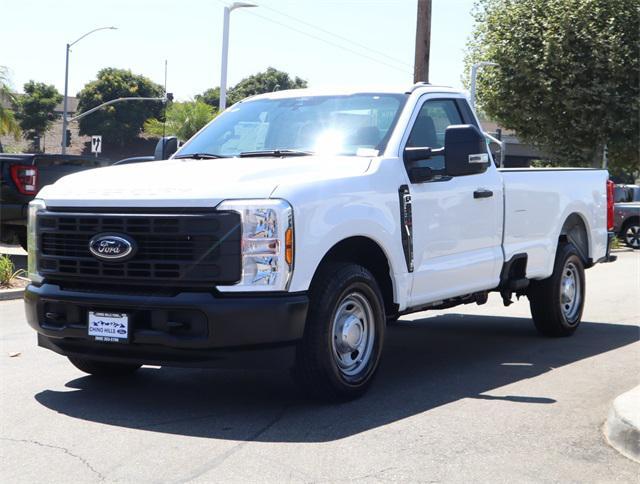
(194, 183)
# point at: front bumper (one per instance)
(197, 329)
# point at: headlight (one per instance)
(35, 206)
(267, 244)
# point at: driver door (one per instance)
(457, 233)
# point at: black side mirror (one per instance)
(166, 147)
(465, 150)
(413, 154)
(420, 174)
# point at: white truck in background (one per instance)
(294, 227)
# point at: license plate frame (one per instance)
(108, 327)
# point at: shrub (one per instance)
(8, 271)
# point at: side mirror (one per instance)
(416, 154)
(166, 147)
(465, 150)
(420, 174)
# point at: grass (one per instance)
(8, 271)
(616, 244)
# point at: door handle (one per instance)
(482, 193)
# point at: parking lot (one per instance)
(471, 394)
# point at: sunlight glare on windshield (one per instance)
(329, 142)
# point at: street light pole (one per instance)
(64, 108)
(474, 76)
(225, 49)
(65, 122)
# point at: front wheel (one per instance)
(631, 235)
(103, 368)
(557, 302)
(341, 347)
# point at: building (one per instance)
(52, 139)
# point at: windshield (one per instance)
(358, 124)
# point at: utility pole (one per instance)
(423, 42)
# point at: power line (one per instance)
(329, 42)
(362, 46)
(302, 32)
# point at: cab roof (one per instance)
(346, 91)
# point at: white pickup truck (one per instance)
(294, 227)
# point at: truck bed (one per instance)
(537, 202)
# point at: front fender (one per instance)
(325, 214)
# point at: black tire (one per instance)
(553, 312)
(338, 294)
(630, 234)
(103, 368)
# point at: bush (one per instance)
(184, 119)
(8, 271)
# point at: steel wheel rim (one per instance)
(570, 291)
(632, 236)
(352, 334)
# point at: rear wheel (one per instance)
(344, 333)
(103, 368)
(557, 302)
(631, 234)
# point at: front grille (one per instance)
(184, 249)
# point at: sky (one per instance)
(326, 42)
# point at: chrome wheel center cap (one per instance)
(351, 334)
(568, 289)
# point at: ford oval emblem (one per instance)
(111, 247)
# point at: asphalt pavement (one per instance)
(472, 394)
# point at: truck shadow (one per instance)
(426, 364)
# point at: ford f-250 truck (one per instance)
(291, 229)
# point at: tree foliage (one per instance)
(121, 122)
(268, 81)
(568, 75)
(183, 119)
(36, 108)
(8, 123)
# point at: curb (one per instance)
(9, 294)
(622, 428)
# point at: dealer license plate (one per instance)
(109, 327)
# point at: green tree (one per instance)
(36, 108)
(211, 97)
(8, 123)
(183, 119)
(568, 76)
(268, 81)
(122, 122)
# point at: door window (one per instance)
(429, 128)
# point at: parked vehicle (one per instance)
(165, 147)
(627, 214)
(293, 227)
(21, 176)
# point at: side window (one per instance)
(623, 194)
(429, 127)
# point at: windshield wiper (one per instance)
(278, 153)
(199, 156)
